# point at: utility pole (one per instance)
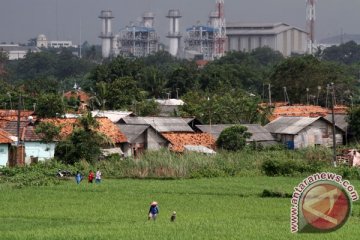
(333, 123)
(269, 94)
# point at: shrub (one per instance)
(233, 138)
(275, 194)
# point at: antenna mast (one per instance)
(220, 27)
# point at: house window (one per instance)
(2, 151)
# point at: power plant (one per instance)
(206, 41)
(139, 39)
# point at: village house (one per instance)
(5, 143)
(140, 138)
(35, 148)
(106, 127)
(301, 132)
(177, 131)
(79, 98)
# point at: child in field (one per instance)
(98, 176)
(91, 176)
(153, 211)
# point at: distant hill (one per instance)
(344, 39)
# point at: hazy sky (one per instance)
(21, 20)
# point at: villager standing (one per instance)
(98, 176)
(153, 211)
(78, 177)
(91, 176)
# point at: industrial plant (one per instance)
(206, 41)
(139, 39)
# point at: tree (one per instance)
(84, 143)
(3, 59)
(122, 92)
(49, 105)
(233, 138)
(354, 121)
(347, 53)
(300, 73)
(48, 131)
(146, 107)
(223, 106)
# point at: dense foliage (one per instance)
(233, 138)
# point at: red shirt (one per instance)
(91, 176)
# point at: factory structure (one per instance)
(206, 41)
(278, 36)
(174, 34)
(139, 39)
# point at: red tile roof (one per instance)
(81, 95)
(106, 127)
(304, 111)
(5, 137)
(178, 140)
(12, 115)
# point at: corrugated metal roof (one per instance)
(258, 28)
(132, 131)
(259, 133)
(114, 116)
(201, 149)
(289, 125)
(109, 151)
(340, 121)
(161, 124)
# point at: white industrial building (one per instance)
(278, 36)
(43, 42)
(15, 51)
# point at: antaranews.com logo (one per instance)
(321, 203)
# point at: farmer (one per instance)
(78, 177)
(153, 211)
(91, 176)
(98, 176)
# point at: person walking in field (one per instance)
(153, 211)
(78, 177)
(91, 176)
(98, 176)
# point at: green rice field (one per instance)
(217, 208)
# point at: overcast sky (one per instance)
(21, 20)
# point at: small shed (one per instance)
(340, 120)
(300, 132)
(140, 138)
(259, 134)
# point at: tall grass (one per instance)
(168, 165)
